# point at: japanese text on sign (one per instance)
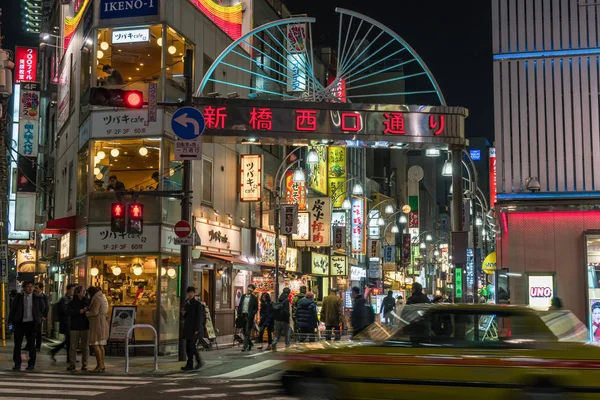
(251, 177)
(338, 266)
(289, 219)
(295, 191)
(26, 64)
(102, 240)
(357, 219)
(320, 226)
(303, 227)
(319, 264)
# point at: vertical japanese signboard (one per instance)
(251, 177)
(291, 259)
(303, 227)
(320, 227)
(26, 64)
(288, 220)
(358, 225)
(317, 173)
(336, 171)
(406, 240)
(296, 59)
(458, 283)
(339, 238)
(295, 191)
(319, 264)
(374, 248)
(493, 187)
(338, 266)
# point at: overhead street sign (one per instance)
(183, 229)
(187, 123)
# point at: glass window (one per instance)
(176, 47)
(85, 77)
(207, 180)
(223, 288)
(134, 163)
(169, 300)
(173, 169)
(129, 281)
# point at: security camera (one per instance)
(533, 184)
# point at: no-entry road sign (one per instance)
(183, 229)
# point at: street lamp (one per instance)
(447, 168)
(357, 189)
(403, 219)
(312, 157)
(428, 238)
(478, 221)
(395, 229)
(389, 209)
(422, 245)
(298, 175)
(380, 222)
(346, 205)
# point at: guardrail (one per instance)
(127, 345)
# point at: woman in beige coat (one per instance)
(97, 315)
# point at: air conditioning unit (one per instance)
(49, 249)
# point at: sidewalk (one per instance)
(115, 365)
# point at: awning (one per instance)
(61, 226)
(237, 263)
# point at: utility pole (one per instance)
(186, 214)
(457, 208)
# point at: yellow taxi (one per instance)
(451, 352)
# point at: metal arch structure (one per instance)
(372, 62)
(232, 49)
(394, 35)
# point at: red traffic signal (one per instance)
(118, 210)
(100, 96)
(136, 211)
(117, 218)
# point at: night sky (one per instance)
(453, 38)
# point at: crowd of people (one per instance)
(83, 320)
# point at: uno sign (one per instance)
(540, 292)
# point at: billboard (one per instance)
(250, 177)
(26, 64)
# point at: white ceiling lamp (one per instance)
(357, 189)
(99, 176)
(100, 54)
(94, 271)
(163, 271)
(312, 158)
(159, 42)
(115, 152)
(137, 269)
(116, 271)
(432, 152)
(298, 176)
(346, 205)
(101, 155)
(143, 150)
(171, 273)
(104, 46)
(172, 49)
(96, 170)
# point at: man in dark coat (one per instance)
(247, 311)
(387, 306)
(39, 289)
(332, 315)
(418, 297)
(362, 313)
(306, 315)
(194, 316)
(26, 312)
(281, 314)
(80, 329)
(64, 321)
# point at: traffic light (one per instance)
(135, 222)
(117, 218)
(100, 96)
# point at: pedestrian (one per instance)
(418, 297)
(266, 320)
(299, 296)
(306, 315)
(362, 313)
(39, 289)
(387, 306)
(246, 312)
(114, 77)
(25, 314)
(97, 315)
(194, 317)
(64, 320)
(80, 329)
(281, 315)
(331, 315)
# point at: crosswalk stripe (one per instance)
(79, 376)
(259, 392)
(72, 380)
(260, 353)
(250, 369)
(71, 386)
(184, 389)
(203, 396)
(251, 385)
(273, 377)
(28, 392)
(33, 398)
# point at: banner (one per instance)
(288, 219)
(320, 226)
(317, 173)
(358, 226)
(251, 177)
(28, 137)
(493, 184)
(336, 171)
(26, 64)
(295, 191)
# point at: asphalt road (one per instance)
(227, 374)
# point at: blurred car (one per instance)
(487, 351)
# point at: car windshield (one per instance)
(449, 325)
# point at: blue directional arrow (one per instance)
(187, 123)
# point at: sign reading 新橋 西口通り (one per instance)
(337, 121)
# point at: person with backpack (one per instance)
(307, 318)
(331, 315)
(387, 306)
(281, 315)
(299, 296)
(61, 314)
(362, 313)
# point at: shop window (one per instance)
(169, 299)
(137, 61)
(207, 180)
(134, 162)
(593, 283)
(176, 47)
(85, 77)
(223, 288)
(129, 281)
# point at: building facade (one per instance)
(546, 137)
